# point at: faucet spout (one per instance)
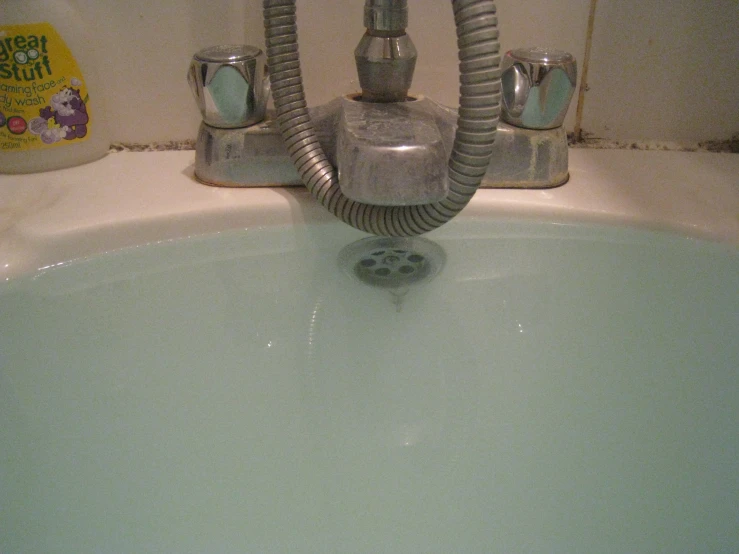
(386, 56)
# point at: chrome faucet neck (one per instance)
(386, 56)
(386, 16)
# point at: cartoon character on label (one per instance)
(66, 118)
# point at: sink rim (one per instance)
(135, 198)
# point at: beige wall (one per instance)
(661, 69)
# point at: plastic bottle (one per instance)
(51, 108)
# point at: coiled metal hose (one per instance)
(477, 40)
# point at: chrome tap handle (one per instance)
(538, 84)
(230, 85)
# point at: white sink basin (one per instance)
(554, 385)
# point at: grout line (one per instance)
(726, 146)
(187, 144)
(585, 67)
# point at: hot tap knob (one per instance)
(538, 84)
(230, 85)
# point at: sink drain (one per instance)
(392, 263)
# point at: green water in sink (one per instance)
(554, 388)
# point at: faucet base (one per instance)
(256, 156)
(528, 158)
(247, 157)
(391, 154)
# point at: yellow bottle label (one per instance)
(44, 101)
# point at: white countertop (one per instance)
(131, 198)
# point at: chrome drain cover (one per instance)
(392, 262)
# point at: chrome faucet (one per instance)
(383, 160)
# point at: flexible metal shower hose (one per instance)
(477, 39)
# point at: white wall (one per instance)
(664, 69)
(661, 69)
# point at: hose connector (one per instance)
(386, 16)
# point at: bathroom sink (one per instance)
(193, 369)
(533, 386)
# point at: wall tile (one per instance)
(146, 47)
(664, 70)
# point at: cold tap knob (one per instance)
(230, 85)
(538, 84)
